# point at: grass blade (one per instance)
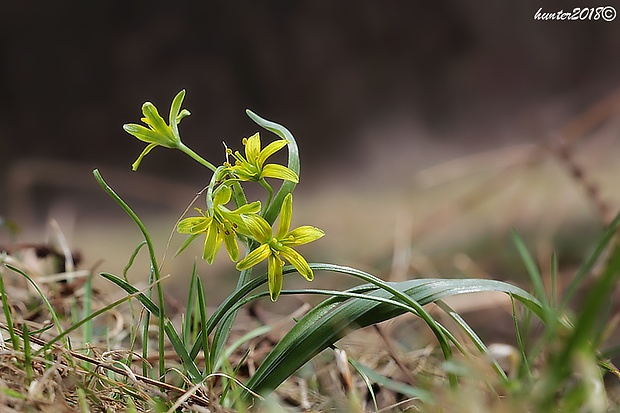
(168, 328)
(532, 268)
(394, 385)
(50, 308)
(8, 315)
(588, 264)
(153, 259)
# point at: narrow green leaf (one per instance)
(190, 309)
(293, 163)
(532, 268)
(8, 316)
(475, 339)
(202, 308)
(152, 257)
(48, 305)
(168, 328)
(394, 385)
(600, 246)
(333, 318)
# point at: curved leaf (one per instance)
(334, 318)
(293, 162)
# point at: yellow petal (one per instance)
(274, 274)
(302, 235)
(286, 214)
(252, 148)
(254, 257)
(269, 150)
(299, 262)
(274, 170)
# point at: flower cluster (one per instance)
(245, 223)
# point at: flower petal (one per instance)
(175, 107)
(269, 150)
(158, 124)
(252, 148)
(136, 164)
(251, 208)
(230, 241)
(258, 228)
(254, 257)
(144, 134)
(194, 225)
(277, 171)
(286, 214)
(222, 195)
(237, 219)
(213, 241)
(274, 274)
(302, 235)
(299, 262)
(176, 114)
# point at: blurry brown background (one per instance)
(374, 91)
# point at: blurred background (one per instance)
(427, 130)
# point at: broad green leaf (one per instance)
(336, 317)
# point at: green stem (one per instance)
(196, 157)
(266, 185)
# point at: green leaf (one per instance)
(600, 246)
(168, 328)
(293, 163)
(394, 385)
(336, 317)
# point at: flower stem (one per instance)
(196, 157)
(266, 185)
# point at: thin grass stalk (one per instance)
(48, 305)
(87, 331)
(153, 259)
(202, 308)
(532, 269)
(65, 333)
(8, 315)
(27, 353)
(146, 323)
(554, 281)
(132, 328)
(475, 339)
(586, 267)
(169, 330)
(525, 365)
(191, 310)
(367, 383)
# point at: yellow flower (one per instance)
(252, 167)
(158, 132)
(219, 225)
(278, 248)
